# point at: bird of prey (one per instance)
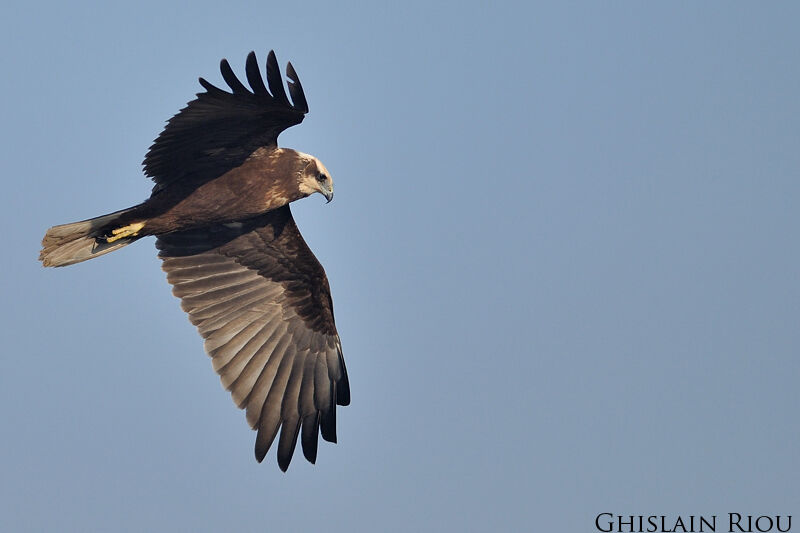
(226, 237)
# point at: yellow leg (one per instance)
(131, 230)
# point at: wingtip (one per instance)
(254, 76)
(310, 436)
(230, 78)
(299, 101)
(291, 73)
(260, 454)
(327, 425)
(283, 462)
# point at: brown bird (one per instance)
(230, 247)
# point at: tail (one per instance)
(72, 243)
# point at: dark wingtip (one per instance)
(254, 75)
(230, 78)
(284, 459)
(296, 89)
(327, 424)
(343, 385)
(260, 454)
(274, 79)
(287, 442)
(209, 87)
(309, 437)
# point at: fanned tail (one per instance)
(68, 244)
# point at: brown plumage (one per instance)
(231, 250)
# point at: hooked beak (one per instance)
(328, 194)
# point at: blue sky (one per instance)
(562, 253)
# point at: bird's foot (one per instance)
(131, 230)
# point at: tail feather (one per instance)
(68, 244)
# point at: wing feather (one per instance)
(230, 78)
(212, 324)
(221, 294)
(288, 441)
(274, 79)
(307, 408)
(243, 388)
(327, 423)
(254, 75)
(310, 436)
(296, 89)
(322, 384)
(209, 309)
(261, 301)
(216, 281)
(271, 412)
(228, 358)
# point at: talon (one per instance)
(131, 230)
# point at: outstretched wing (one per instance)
(218, 130)
(261, 301)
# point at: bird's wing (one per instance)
(218, 130)
(261, 301)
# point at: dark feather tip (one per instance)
(260, 454)
(296, 89)
(209, 87)
(254, 75)
(274, 79)
(230, 78)
(309, 437)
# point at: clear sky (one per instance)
(563, 255)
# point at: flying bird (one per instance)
(220, 213)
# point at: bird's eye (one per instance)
(321, 177)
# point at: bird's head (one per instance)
(316, 178)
